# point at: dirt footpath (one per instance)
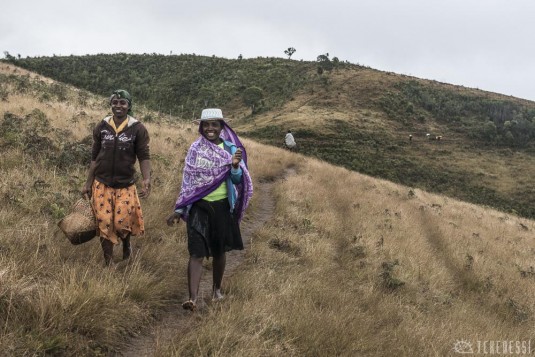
(176, 319)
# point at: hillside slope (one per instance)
(382, 268)
(352, 116)
(359, 120)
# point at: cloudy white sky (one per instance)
(485, 44)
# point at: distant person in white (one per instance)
(289, 140)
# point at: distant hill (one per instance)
(346, 114)
(182, 84)
(362, 119)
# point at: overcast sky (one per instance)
(485, 44)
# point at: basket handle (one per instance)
(87, 198)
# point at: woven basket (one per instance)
(79, 226)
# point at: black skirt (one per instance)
(212, 229)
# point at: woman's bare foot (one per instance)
(217, 296)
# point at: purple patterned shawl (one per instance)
(207, 166)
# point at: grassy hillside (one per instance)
(350, 116)
(181, 85)
(348, 264)
(363, 267)
(362, 119)
(56, 298)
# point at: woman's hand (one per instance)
(172, 218)
(145, 190)
(86, 190)
(236, 159)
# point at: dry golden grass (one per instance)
(348, 265)
(351, 265)
(55, 297)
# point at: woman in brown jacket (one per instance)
(118, 140)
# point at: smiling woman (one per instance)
(216, 189)
(117, 141)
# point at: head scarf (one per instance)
(122, 94)
(207, 166)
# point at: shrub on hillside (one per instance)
(25, 132)
(33, 134)
(39, 146)
(74, 153)
(3, 93)
(10, 129)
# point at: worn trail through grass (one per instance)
(176, 319)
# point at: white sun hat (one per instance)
(212, 114)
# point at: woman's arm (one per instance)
(145, 172)
(90, 177)
(143, 155)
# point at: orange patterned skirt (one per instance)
(117, 211)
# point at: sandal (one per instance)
(189, 305)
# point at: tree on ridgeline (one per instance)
(336, 62)
(324, 63)
(289, 52)
(9, 57)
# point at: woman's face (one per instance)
(119, 107)
(211, 130)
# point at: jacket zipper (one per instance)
(114, 153)
(115, 140)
